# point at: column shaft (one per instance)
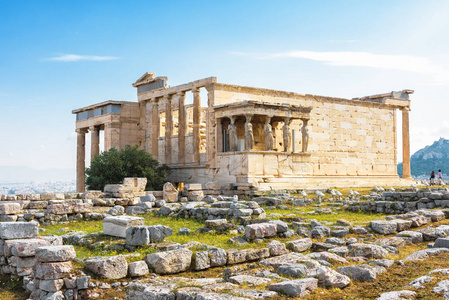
(406, 173)
(80, 160)
(94, 142)
(155, 129)
(181, 128)
(168, 129)
(196, 125)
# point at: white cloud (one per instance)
(75, 57)
(408, 63)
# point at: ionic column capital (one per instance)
(81, 130)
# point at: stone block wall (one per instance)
(403, 202)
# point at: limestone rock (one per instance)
(55, 253)
(329, 278)
(293, 270)
(112, 267)
(367, 250)
(23, 247)
(300, 245)
(249, 280)
(218, 257)
(295, 288)
(277, 248)
(159, 232)
(397, 295)
(137, 236)
(170, 262)
(138, 268)
(383, 227)
(117, 225)
(361, 272)
(51, 285)
(18, 230)
(414, 236)
(201, 260)
(57, 270)
(261, 230)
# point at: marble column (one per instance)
(286, 134)
(80, 159)
(406, 173)
(196, 125)
(168, 129)
(155, 128)
(94, 141)
(182, 127)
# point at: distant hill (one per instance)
(428, 159)
(11, 174)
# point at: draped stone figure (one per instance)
(232, 135)
(269, 138)
(286, 134)
(249, 136)
(305, 136)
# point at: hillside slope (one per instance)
(428, 159)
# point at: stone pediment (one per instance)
(149, 81)
(145, 79)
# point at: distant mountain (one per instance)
(428, 159)
(12, 174)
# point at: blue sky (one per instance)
(56, 56)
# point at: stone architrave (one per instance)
(286, 134)
(232, 135)
(269, 138)
(249, 136)
(170, 194)
(305, 135)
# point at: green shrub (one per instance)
(111, 167)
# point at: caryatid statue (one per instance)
(269, 138)
(286, 134)
(249, 137)
(232, 135)
(305, 135)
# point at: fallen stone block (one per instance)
(22, 247)
(55, 253)
(159, 232)
(218, 257)
(293, 270)
(112, 267)
(51, 286)
(300, 245)
(329, 278)
(9, 208)
(117, 225)
(56, 270)
(170, 262)
(414, 236)
(261, 230)
(137, 236)
(361, 273)
(18, 230)
(138, 268)
(384, 227)
(367, 250)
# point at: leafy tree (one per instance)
(111, 167)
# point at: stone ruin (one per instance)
(298, 265)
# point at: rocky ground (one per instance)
(317, 250)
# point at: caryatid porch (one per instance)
(260, 126)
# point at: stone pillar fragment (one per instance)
(196, 125)
(80, 159)
(181, 128)
(406, 172)
(94, 141)
(168, 129)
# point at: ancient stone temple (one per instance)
(249, 137)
